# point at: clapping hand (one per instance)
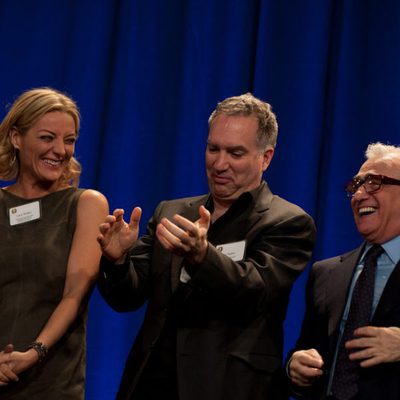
(186, 238)
(116, 236)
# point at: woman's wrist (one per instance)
(40, 349)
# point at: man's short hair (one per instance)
(247, 105)
(382, 152)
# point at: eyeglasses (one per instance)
(372, 183)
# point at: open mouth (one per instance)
(366, 210)
(52, 163)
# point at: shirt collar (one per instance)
(246, 197)
(392, 249)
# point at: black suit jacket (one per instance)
(326, 295)
(229, 343)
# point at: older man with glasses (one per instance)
(349, 347)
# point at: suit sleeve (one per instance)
(314, 327)
(125, 287)
(276, 254)
(315, 324)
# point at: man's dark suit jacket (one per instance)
(326, 295)
(229, 345)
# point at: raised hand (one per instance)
(186, 238)
(116, 236)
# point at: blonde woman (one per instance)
(48, 251)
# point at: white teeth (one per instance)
(52, 162)
(366, 210)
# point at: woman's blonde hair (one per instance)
(27, 109)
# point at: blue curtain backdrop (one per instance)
(147, 74)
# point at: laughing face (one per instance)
(377, 215)
(45, 149)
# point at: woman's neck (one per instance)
(31, 191)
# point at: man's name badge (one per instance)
(25, 213)
(234, 250)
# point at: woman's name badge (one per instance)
(234, 250)
(25, 213)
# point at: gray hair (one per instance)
(382, 152)
(248, 105)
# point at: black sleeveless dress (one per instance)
(33, 263)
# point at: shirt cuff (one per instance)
(113, 272)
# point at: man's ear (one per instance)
(267, 157)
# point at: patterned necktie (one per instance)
(344, 385)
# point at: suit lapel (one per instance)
(228, 232)
(390, 297)
(190, 211)
(340, 279)
(176, 263)
(234, 230)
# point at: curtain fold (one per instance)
(147, 75)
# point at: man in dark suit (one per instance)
(339, 357)
(216, 271)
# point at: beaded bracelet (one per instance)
(40, 348)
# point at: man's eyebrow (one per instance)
(229, 148)
(363, 176)
(237, 148)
